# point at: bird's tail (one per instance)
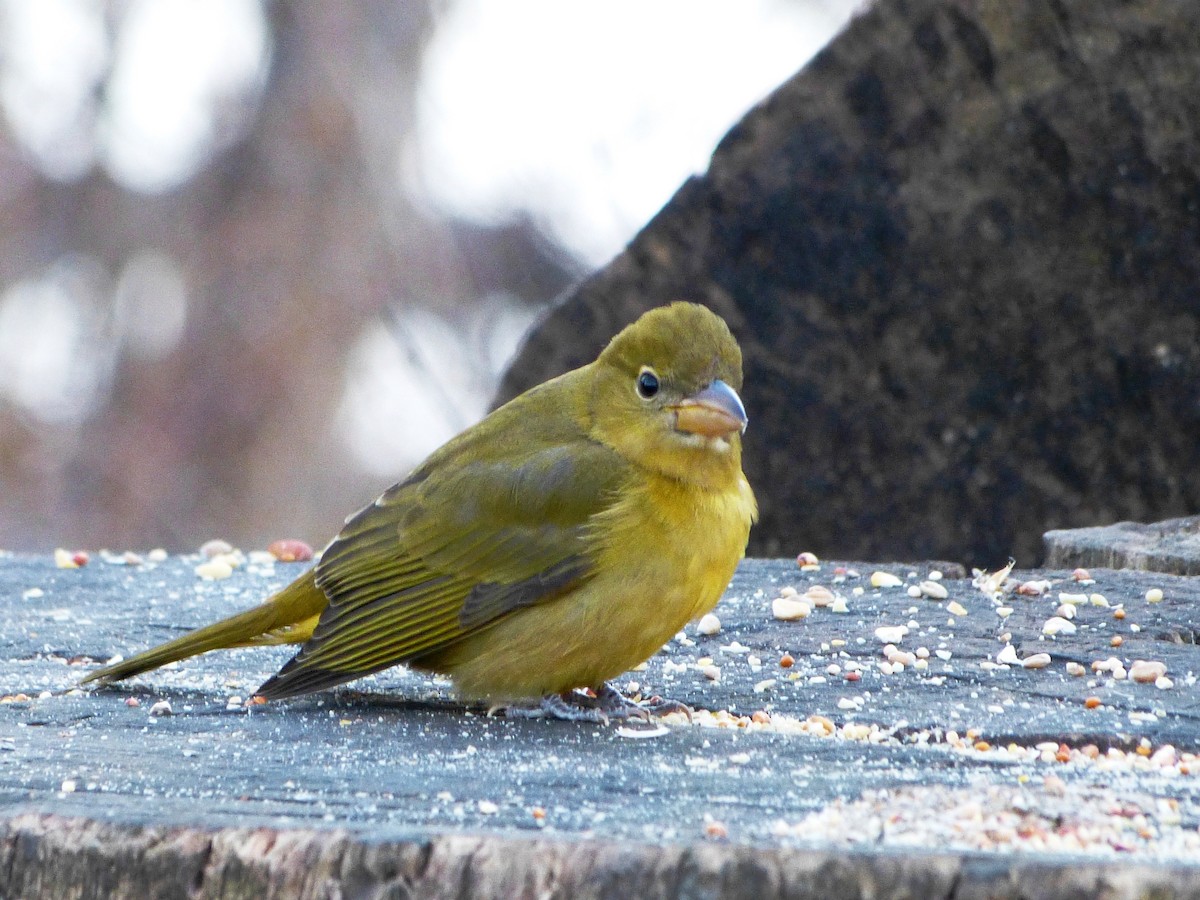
(288, 617)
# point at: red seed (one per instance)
(290, 550)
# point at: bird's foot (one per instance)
(599, 707)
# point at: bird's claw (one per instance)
(607, 703)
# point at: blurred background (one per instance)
(258, 258)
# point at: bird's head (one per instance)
(665, 394)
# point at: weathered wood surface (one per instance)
(390, 786)
(1172, 546)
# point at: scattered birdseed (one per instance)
(1073, 599)
(955, 608)
(1082, 575)
(68, 786)
(1147, 671)
(1075, 669)
(992, 583)
(65, 559)
(214, 570)
(290, 550)
(914, 591)
(934, 590)
(488, 808)
(1058, 625)
(1008, 655)
(215, 547)
(161, 708)
(765, 685)
(1118, 613)
(1004, 611)
(787, 661)
(1066, 611)
(891, 634)
(806, 560)
(1036, 661)
(1091, 702)
(787, 609)
(935, 575)
(716, 831)
(884, 580)
(1116, 640)
(157, 555)
(1098, 600)
(711, 672)
(633, 733)
(1162, 682)
(1154, 595)
(819, 595)
(1033, 588)
(708, 625)
(132, 701)
(839, 605)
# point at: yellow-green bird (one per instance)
(556, 544)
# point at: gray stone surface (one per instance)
(389, 782)
(1172, 546)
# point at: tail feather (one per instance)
(286, 618)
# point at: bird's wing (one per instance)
(448, 552)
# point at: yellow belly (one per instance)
(664, 556)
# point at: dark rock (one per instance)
(961, 250)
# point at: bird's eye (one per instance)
(647, 384)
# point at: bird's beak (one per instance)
(715, 411)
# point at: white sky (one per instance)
(587, 116)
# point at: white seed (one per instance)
(765, 685)
(708, 625)
(1058, 625)
(788, 609)
(891, 634)
(1066, 610)
(1008, 655)
(1163, 683)
(955, 608)
(943, 655)
(921, 665)
(161, 708)
(913, 591)
(1098, 600)
(1073, 599)
(839, 606)
(215, 547)
(1147, 671)
(1074, 668)
(922, 653)
(1004, 611)
(488, 808)
(819, 595)
(846, 703)
(214, 570)
(1036, 661)
(884, 580)
(711, 672)
(935, 590)
(1154, 595)
(68, 786)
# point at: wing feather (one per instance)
(449, 551)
